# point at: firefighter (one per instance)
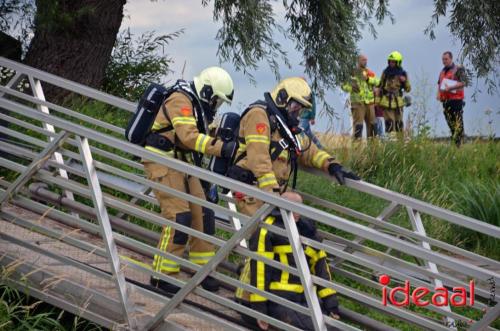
(270, 146)
(185, 113)
(452, 97)
(281, 283)
(360, 88)
(393, 82)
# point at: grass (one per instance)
(465, 180)
(19, 312)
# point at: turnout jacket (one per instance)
(184, 131)
(280, 282)
(392, 88)
(259, 139)
(366, 80)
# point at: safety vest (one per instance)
(457, 94)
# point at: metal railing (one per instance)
(88, 159)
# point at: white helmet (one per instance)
(214, 86)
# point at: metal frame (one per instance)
(379, 230)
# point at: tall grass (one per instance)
(465, 180)
(481, 201)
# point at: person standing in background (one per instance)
(451, 83)
(307, 119)
(393, 83)
(360, 88)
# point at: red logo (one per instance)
(458, 298)
(260, 127)
(185, 111)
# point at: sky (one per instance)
(196, 49)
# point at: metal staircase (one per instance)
(75, 205)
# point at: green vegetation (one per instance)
(22, 313)
(465, 180)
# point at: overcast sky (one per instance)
(197, 48)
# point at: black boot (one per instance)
(210, 284)
(163, 285)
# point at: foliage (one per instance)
(136, 62)
(326, 32)
(476, 24)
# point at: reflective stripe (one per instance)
(159, 151)
(326, 292)
(284, 154)
(311, 252)
(321, 254)
(257, 138)
(244, 278)
(257, 298)
(319, 158)
(297, 288)
(183, 120)
(201, 143)
(163, 264)
(284, 274)
(280, 249)
(267, 180)
(158, 126)
(261, 272)
(169, 266)
(201, 257)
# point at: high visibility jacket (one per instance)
(453, 73)
(392, 89)
(279, 282)
(184, 133)
(257, 141)
(366, 80)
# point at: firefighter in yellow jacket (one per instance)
(393, 82)
(270, 147)
(279, 282)
(360, 88)
(180, 131)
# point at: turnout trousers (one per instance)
(454, 115)
(184, 213)
(393, 119)
(363, 113)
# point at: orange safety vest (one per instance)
(450, 74)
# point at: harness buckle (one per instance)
(282, 142)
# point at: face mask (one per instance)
(294, 109)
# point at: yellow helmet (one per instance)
(214, 82)
(293, 88)
(397, 57)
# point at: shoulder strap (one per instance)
(184, 87)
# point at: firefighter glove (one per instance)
(340, 173)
